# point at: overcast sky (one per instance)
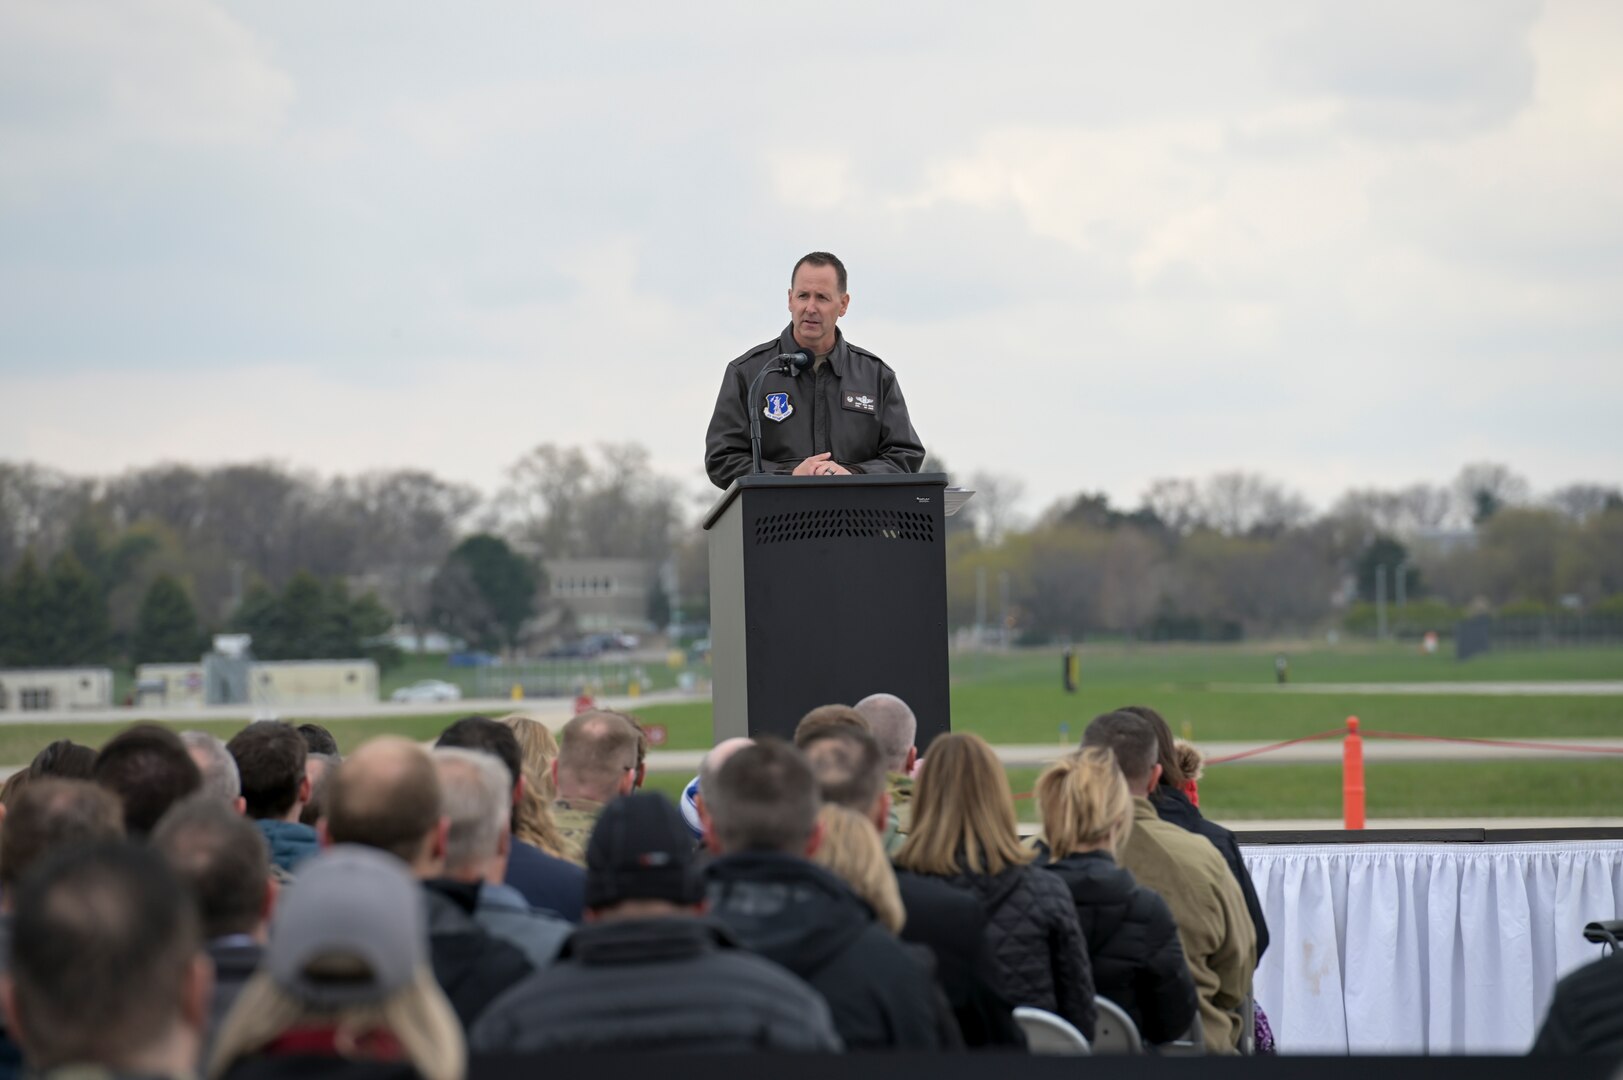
(1343, 244)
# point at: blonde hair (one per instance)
(417, 1015)
(963, 814)
(851, 851)
(532, 818)
(1084, 802)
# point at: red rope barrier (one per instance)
(1558, 747)
(1332, 733)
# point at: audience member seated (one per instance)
(150, 770)
(825, 717)
(318, 740)
(63, 759)
(851, 851)
(646, 972)
(477, 792)
(894, 725)
(532, 818)
(220, 776)
(964, 832)
(1132, 941)
(761, 813)
(386, 795)
(321, 757)
(108, 975)
(1586, 1014)
(692, 804)
(850, 771)
(545, 881)
(48, 817)
(345, 989)
(1188, 873)
(223, 860)
(270, 758)
(318, 769)
(596, 763)
(1173, 805)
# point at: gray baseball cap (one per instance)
(350, 930)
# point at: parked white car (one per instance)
(428, 690)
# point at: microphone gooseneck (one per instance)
(783, 364)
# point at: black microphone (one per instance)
(1609, 932)
(791, 363)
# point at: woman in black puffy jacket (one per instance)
(963, 832)
(1132, 939)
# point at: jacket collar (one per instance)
(836, 358)
(645, 941)
(1144, 810)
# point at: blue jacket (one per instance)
(551, 884)
(290, 842)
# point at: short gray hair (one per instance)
(476, 795)
(221, 777)
(893, 724)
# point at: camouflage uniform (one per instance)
(576, 818)
(901, 810)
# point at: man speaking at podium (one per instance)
(839, 412)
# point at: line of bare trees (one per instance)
(1233, 553)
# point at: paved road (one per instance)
(1468, 689)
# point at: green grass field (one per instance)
(1212, 693)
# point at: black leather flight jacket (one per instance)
(851, 407)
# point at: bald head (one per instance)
(597, 756)
(386, 795)
(712, 762)
(894, 725)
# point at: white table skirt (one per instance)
(1425, 948)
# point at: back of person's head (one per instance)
(641, 854)
(319, 767)
(150, 770)
(476, 799)
(105, 958)
(12, 789)
(487, 737)
(851, 850)
(849, 766)
(764, 798)
(597, 756)
(214, 761)
(52, 816)
(222, 858)
(348, 952)
(270, 756)
(963, 813)
(386, 795)
(893, 724)
(1166, 747)
(537, 751)
(1132, 738)
(317, 739)
(824, 717)
(1084, 803)
(63, 759)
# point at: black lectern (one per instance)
(827, 589)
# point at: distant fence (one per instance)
(1483, 633)
(561, 678)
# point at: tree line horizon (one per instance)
(310, 562)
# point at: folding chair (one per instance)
(1049, 1034)
(1115, 1032)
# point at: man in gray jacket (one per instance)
(646, 972)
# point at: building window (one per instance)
(34, 699)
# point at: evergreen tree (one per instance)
(27, 620)
(78, 628)
(503, 580)
(166, 629)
